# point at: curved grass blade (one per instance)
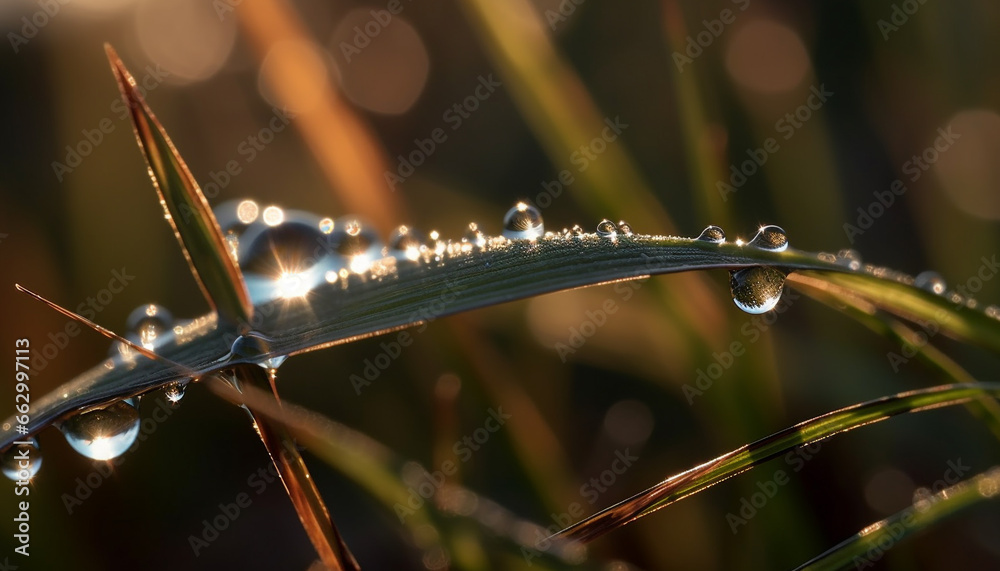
(704, 476)
(299, 485)
(371, 303)
(869, 545)
(185, 206)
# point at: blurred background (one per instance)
(671, 115)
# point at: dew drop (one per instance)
(992, 311)
(103, 433)
(13, 456)
(326, 225)
(827, 257)
(405, 243)
(607, 229)
(356, 243)
(712, 234)
(756, 289)
(252, 347)
(286, 260)
(625, 228)
(523, 222)
(175, 392)
(770, 237)
(577, 230)
(273, 216)
(473, 235)
(930, 281)
(149, 322)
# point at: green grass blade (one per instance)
(185, 206)
(869, 545)
(704, 476)
(375, 302)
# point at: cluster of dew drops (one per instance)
(286, 254)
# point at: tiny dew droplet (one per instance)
(405, 243)
(625, 228)
(577, 230)
(29, 453)
(930, 281)
(607, 229)
(357, 243)
(756, 289)
(992, 311)
(148, 322)
(175, 392)
(103, 433)
(473, 235)
(523, 222)
(252, 347)
(770, 237)
(712, 234)
(326, 225)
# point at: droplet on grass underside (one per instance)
(930, 281)
(523, 222)
(473, 235)
(103, 433)
(405, 243)
(253, 347)
(175, 392)
(22, 461)
(712, 234)
(756, 289)
(771, 238)
(607, 229)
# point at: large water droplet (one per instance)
(252, 347)
(756, 289)
(523, 221)
(285, 260)
(770, 237)
(712, 234)
(22, 461)
(149, 322)
(405, 243)
(930, 281)
(607, 229)
(104, 433)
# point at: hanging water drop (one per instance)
(712, 234)
(625, 228)
(175, 392)
(252, 347)
(770, 237)
(756, 289)
(930, 281)
(473, 235)
(104, 433)
(607, 229)
(523, 222)
(22, 461)
(405, 243)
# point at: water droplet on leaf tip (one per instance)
(756, 289)
(523, 222)
(771, 238)
(103, 433)
(712, 234)
(14, 466)
(607, 229)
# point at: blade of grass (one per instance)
(701, 477)
(869, 545)
(294, 474)
(503, 271)
(185, 207)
